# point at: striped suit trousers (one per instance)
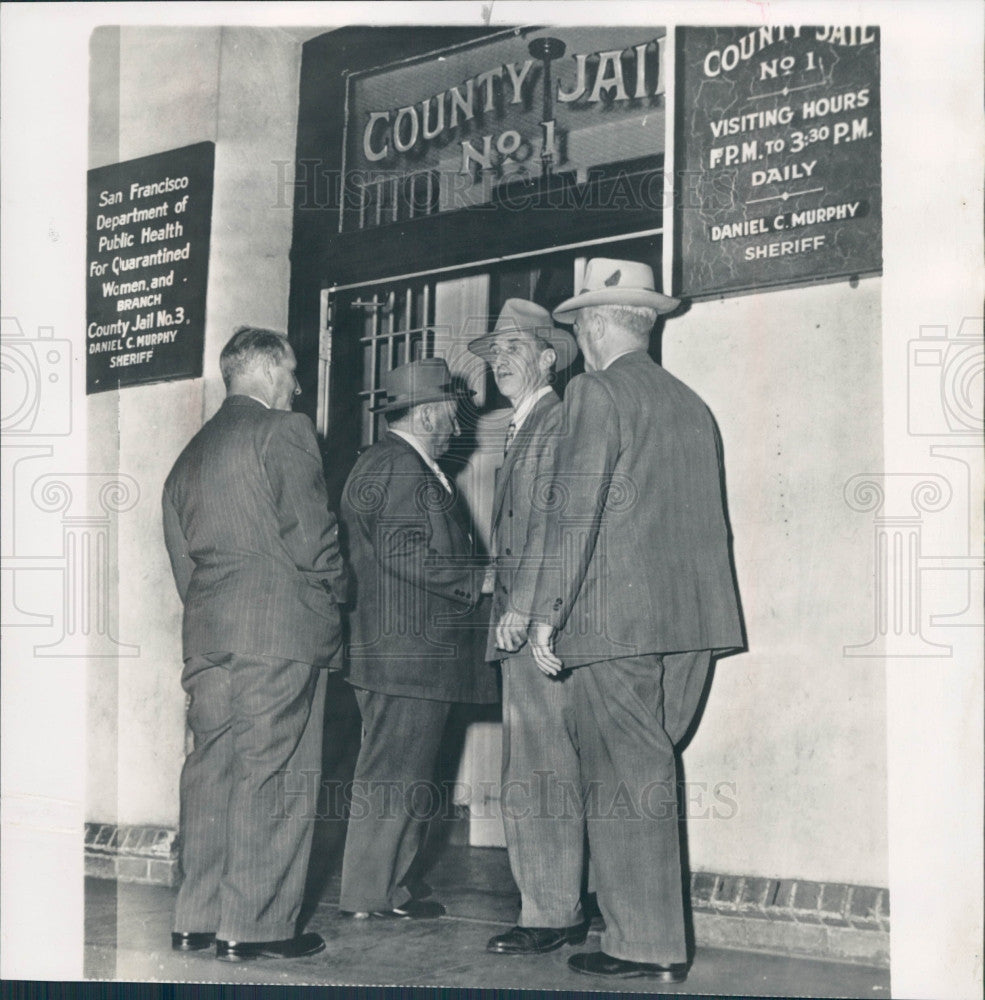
(245, 829)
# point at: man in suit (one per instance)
(411, 653)
(255, 555)
(635, 595)
(524, 350)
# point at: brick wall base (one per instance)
(827, 920)
(146, 854)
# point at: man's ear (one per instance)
(427, 416)
(596, 325)
(548, 357)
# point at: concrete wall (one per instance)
(238, 88)
(795, 729)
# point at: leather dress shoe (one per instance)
(536, 940)
(598, 963)
(247, 951)
(191, 940)
(413, 909)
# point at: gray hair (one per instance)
(247, 346)
(635, 320)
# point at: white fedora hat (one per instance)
(522, 315)
(615, 283)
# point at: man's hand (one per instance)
(542, 646)
(511, 631)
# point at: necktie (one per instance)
(510, 434)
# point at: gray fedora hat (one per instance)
(522, 315)
(424, 381)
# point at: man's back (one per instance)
(250, 535)
(412, 628)
(641, 458)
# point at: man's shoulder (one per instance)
(291, 424)
(639, 367)
(390, 456)
(545, 413)
(238, 415)
(390, 450)
(599, 387)
(382, 475)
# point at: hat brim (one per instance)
(561, 342)
(565, 312)
(406, 404)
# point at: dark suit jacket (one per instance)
(414, 631)
(638, 540)
(517, 524)
(253, 546)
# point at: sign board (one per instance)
(777, 157)
(460, 127)
(149, 222)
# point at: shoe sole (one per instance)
(267, 956)
(660, 977)
(539, 951)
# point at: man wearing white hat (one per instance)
(524, 350)
(411, 652)
(635, 595)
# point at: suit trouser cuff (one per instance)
(257, 932)
(530, 917)
(637, 951)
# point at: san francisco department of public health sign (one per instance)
(149, 224)
(450, 129)
(777, 157)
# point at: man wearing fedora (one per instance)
(524, 350)
(635, 595)
(411, 651)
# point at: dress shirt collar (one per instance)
(415, 442)
(523, 410)
(259, 400)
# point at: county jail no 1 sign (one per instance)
(777, 157)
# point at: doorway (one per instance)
(367, 330)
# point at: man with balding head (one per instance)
(634, 597)
(255, 554)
